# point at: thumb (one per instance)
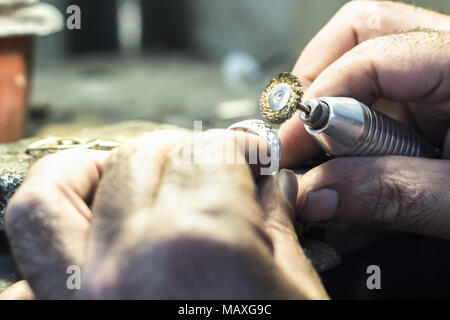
(277, 196)
(399, 193)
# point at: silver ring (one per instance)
(264, 131)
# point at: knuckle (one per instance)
(387, 202)
(60, 159)
(401, 202)
(120, 157)
(358, 11)
(370, 47)
(352, 7)
(280, 227)
(122, 151)
(46, 162)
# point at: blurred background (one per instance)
(170, 61)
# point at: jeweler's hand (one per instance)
(159, 227)
(411, 69)
(330, 66)
(195, 229)
(48, 221)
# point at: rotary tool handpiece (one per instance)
(342, 126)
(347, 127)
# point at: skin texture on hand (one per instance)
(160, 228)
(401, 68)
(48, 219)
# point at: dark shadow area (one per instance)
(165, 24)
(99, 27)
(412, 267)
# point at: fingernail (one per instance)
(287, 182)
(320, 206)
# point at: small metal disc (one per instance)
(281, 98)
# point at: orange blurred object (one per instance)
(15, 68)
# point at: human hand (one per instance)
(158, 228)
(407, 76)
(48, 221)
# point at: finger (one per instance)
(366, 73)
(277, 197)
(356, 22)
(130, 181)
(352, 25)
(135, 172)
(48, 219)
(18, 291)
(399, 193)
(297, 144)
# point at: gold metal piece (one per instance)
(52, 145)
(281, 98)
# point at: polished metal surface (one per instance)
(279, 96)
(266, 132)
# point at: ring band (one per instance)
(264, 131)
